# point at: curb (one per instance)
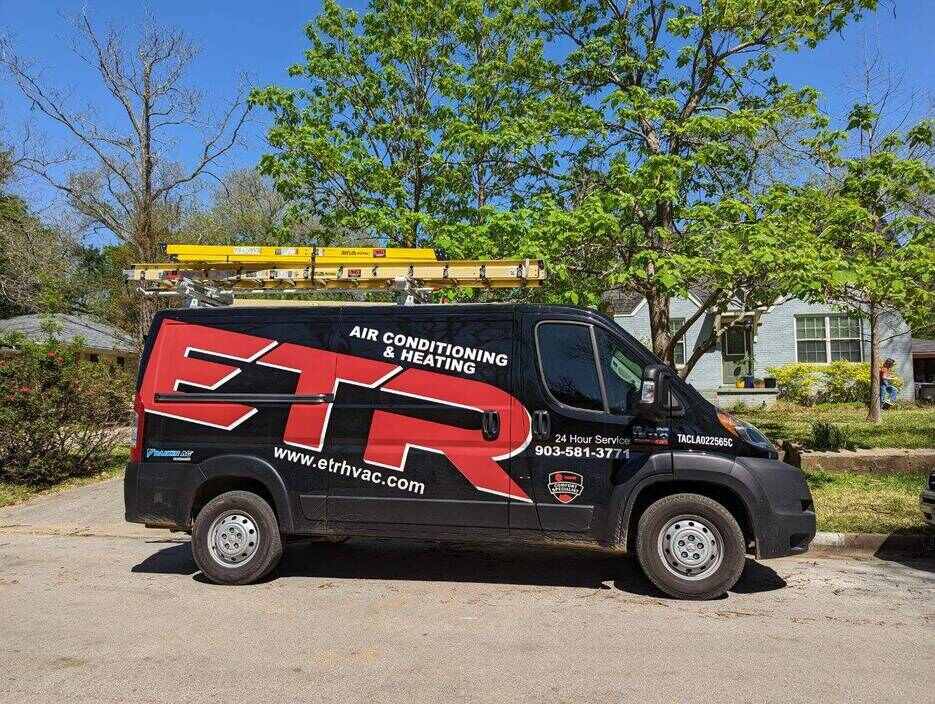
(878, 460)
(889, 543)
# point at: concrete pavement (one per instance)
(95, 610)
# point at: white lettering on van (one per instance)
(432, 353)
(364, 333)
(706, 440)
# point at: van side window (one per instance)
(623, 378)
(566, 354)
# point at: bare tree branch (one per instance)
(124, 176)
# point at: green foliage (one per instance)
(838, 382)
(876, 223)
(868, 502)
(877, 219)
(57, 412)
(827, 436)
(42, 268)
(627, 145)
(418, 118)
(684, 115)
(905, 426)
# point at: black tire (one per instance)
(672, 516)
(259, 518)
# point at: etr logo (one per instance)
(320, 372)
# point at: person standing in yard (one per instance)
(887, 389)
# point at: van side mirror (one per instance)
(654, 393)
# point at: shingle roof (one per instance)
(923, 346)
(622, 302)
(96, 335)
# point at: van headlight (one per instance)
(744, 431)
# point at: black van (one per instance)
(479, 422)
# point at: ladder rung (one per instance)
(225, 254)
(435, 275)
(266, 269)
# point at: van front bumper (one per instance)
(784, 521)
(785, 534)
(927, 504)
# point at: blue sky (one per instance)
(263, 38)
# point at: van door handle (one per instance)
(490, 425)
(542, 424)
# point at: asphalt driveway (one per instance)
(93, 609)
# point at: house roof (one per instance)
(622, 302)
(95, 334)
(923, 347)
(629, 302)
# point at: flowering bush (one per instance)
(58, 413)
(838, 382)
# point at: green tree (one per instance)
(740, 254)
(41, 265)
(58, 413)
(881, 223)
(667, 194)
(420, 121)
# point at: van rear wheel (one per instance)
(236, 538)
(690, 546)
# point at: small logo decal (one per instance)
(657, 435)
(566, 486)
(174, 455)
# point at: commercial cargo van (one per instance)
(465, 422)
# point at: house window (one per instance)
(93, 358)
(828, 338)
(678, 352)
(735, 341)
(845, 338)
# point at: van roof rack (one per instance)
(211, 275)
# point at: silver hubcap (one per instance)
(690, 547)
(233, 539)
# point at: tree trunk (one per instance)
(874, 415)
(702, 347)
(147, 306)
(659, 325)
(145, 235)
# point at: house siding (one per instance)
(706, 374)
(774, 342)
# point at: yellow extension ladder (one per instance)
(217, 272)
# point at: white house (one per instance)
(794, 331)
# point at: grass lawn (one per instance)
(17, 493)
(856, 502)
(909, 426)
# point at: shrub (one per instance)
(57, 412)
(826, 436)
(838, 382)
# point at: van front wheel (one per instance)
(690, 546)
(236, 538)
